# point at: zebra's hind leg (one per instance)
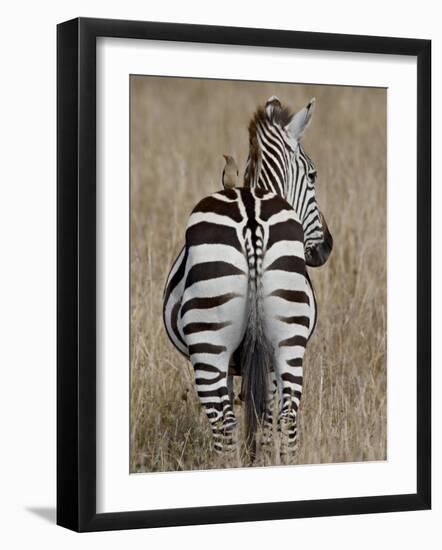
(231, 387)
(267, 430)
(212, 389)
(289, 432)
(290, 397)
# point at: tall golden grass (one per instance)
(179, 130)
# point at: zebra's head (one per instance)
(278, 162)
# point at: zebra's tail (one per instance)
(256, 356)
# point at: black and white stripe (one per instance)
(239, 287)
(277, 162)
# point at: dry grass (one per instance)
(179, 130)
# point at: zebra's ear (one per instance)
(299, 123)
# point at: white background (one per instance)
(27, 289)
(116, 489)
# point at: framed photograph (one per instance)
(244, 254)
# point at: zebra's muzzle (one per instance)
(318, 255)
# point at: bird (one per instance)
(230, 177)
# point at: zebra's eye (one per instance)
(312, 175)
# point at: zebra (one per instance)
(238, 298)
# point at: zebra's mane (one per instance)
(275, 114)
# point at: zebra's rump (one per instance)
(231, 236)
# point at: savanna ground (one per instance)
(179, 130)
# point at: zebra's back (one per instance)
(231, 235)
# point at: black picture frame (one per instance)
(77, 287)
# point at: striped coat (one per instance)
(239, 296)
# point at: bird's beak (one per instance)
(225, 157)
